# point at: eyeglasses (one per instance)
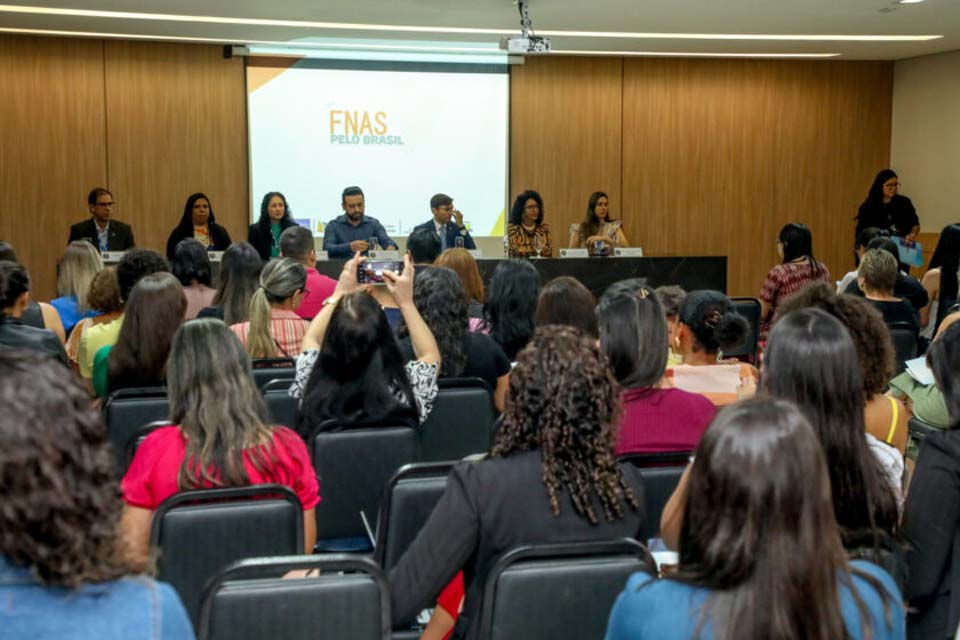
(105, 204)
(531, 207)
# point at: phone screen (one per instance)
(372, 272)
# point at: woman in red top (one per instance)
(220, 436)
(634, 335)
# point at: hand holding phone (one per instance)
(371, 272)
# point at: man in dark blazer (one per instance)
(447, 223)
(100, 231)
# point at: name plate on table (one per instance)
(322, 255)
(628, 252)
(215, 256)
(476, 253)
(112, 256)
(574, 253)
(384, 254)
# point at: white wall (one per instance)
(925, 144)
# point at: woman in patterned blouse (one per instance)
(527, 234)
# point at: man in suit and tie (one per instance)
(100, 231)
(447, 223)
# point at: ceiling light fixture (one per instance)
(692, 54)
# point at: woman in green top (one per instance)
(265, 233)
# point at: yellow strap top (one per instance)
(896, 418)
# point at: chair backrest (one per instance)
(267, 369)
(749, 308)
(904, 338)
(198, 533)
(354, 466)
(134, 442)
(661, 474)
(408, 501)
(461, 421)
(126, 410)
(557, 592)
(250, 601)
(282, 409)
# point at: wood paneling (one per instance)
(52, 145)
(176, 124)
(565, 135)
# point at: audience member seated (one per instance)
(37, 314)
(551, 478)
(598, 233)
(528, 236)
(812, 361)
(633, 335)
(275, 218)
(240, 270)
(442, 303)
(103, 297)
(63, 573)
(906, 286)
(565, 300)
(199, 223)
(760, 553)
(877, 276)
(886, 419)
(79, 264)
(864, 237)
(709, 323)
(274, 329)
(220, 436)
(191, 266)
(508, 314)
(134, 265)
(424, 247)
(14, 334)
(671, 298)
(465, 266)
(139, 358)
(296, 243)
(931, 520)
(940, 280)
(351, 371)
(797, 269)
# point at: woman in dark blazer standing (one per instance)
(199, 223)
(552, 477)
(275, 216)
(886, 209)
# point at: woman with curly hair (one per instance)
(442, 302)
(63, 570)
(552, 477)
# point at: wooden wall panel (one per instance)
(52, 145)
(565, 135)
(176, 124)
(718, 155)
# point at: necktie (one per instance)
(443, 237)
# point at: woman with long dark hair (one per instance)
(64, 570)
(139, 358)
(760, 553)
(508, 314)
(199, 223)
(220, 436)
(552, 476)
(940, 280)
(797, 269)
(239, 278)
(275, 216)
(191, 266)
(599, 233)
(351, 370)
(528, 236)
(634, 335)
(565, 300)
(884, 208)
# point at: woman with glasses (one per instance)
(528, 235)
(886, 209)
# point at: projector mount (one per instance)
(527, 41)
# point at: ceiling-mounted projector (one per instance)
(525, 44)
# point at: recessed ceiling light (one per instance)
(306, 24)
(908, 1)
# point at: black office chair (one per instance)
(250, 601)
(353, 466)
(126, 410)
(750, 309)
(904, 336)
(282, 409)
(268, 369)
(200, 532)
(408, 501)
(461, 421)
(134, 442)
(661, 473)
(558, 592)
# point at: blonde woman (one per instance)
(274, 329)
(79, 264)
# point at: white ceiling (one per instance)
(800, 17)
